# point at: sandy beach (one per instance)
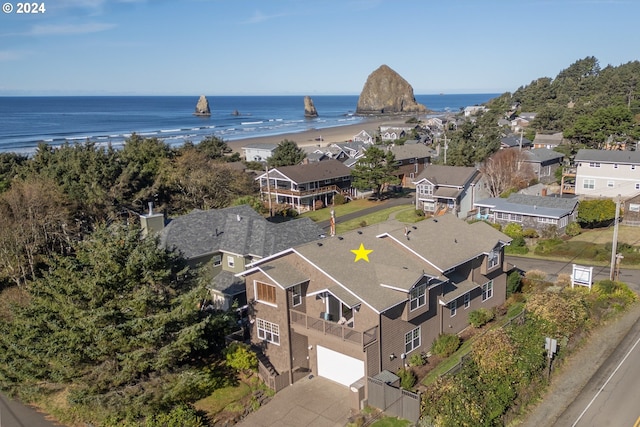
(321, 137)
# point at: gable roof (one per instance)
(411, 151)
(524, 204)
(514, 141)
(396, 263)
(311, 172)
(608, 156)
(239, 230)
(546, 139)
(442, 175)
(543, 155)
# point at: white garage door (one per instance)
(339, 367)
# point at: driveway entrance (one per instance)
(315, 402)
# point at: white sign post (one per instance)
(582, 276)
(551, 345)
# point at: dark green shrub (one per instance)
(445, 345)
(339, 199)
(529, 233)
(407, 379)
(480, 317)
(514, 283)
(419, 212)
(363, 223)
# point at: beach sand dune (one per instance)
(320, 137)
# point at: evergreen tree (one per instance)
(287, 153)
(375, 169)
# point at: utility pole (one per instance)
(445, 148)
(614, 245)
(266, 167)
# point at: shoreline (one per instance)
(320, 137)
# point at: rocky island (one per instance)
(202, 107)
(386, 92)
(309, 109)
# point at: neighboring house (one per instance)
(363, 137)
(411, 159)
(515, 141)
(225, 240)
(359, 304)
(544, 163)
(522, 121)
(391, 133)
(302, 186)
(547, 141)
(631, 211)
(606, 173)
(434, 123)
(473, 110)
(452, 189)
(540, 213)
(258, 152)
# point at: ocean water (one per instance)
(26, 121)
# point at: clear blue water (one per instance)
(26, 121)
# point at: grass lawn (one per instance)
(391, 422)
(223, 398)
(374, 218)
(626, 234)
(353, 206)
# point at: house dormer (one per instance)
(492, 260)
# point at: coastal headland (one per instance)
(323, 137)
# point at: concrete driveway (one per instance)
(315, 402)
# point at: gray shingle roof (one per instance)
(523, 204)
(514, 141)
(411, 151)
(542, 155)
(608, 156)
(447, 175)
(239, 230)
(312, 172)
(397, 263)
(227, 283)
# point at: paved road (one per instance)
(553, 268)
(15, 414)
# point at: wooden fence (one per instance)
(393, 400)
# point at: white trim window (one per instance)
(231, 262)
(296, 295)
(217, 260)
(268, 331)
(467, 300)
(611, 184)
(634, 207)
(425, 190)
(412, 340)
(487, 290)
(418, 297)
(589, 184)
(493, 259)
(453, 306)
(546, 220)
(594, 164)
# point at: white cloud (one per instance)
(40, 30)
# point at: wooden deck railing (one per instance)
(326, 327)
(288, 192)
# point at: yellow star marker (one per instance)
(362, 253)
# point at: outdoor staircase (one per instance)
(265, 362)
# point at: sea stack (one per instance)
(386, 92)
(202, 107)
(309, 109)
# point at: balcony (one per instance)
(326, 327)
(304, 193)
(568, 182)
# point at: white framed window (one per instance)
(296, 295)
(412, 340)
(418, 297)
(637, 185)
(217, 260)
(509, 216)
(425, 190)
(231, 262)
(453, 307)
(487, 290)
(467, 300)
(589, 184)
(493, 259)
(268, 331)
(547, 220)
(610, 184)
(615, 166)
(594, 164)
(634, 207)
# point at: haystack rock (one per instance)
(309, 108)
(202, 107)
(386, 92)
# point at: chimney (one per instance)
(151, 222)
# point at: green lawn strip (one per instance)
(325, 213)
(221, 398)
(370, 219)
(465, 348)
(409, 216)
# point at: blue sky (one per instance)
(296, 47)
